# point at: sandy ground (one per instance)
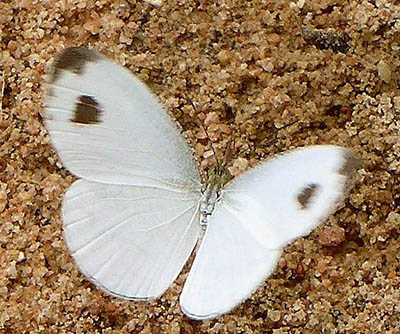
(271, 75)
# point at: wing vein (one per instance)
(124, 221)
(167, 262)
(172, 185)
(68, 89)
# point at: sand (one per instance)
(266, 75)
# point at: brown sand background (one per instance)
(258, 78)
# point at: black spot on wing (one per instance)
(73, 60)
(306, 195)
(87, 111)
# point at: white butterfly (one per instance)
(136, 215)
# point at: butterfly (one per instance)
(141, 206)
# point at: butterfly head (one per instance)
(217, 177)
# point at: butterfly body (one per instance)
(207, 203)
(217, 177)
(140, 207)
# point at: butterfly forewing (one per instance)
(108, 127)
(258, 214)
(132, 221)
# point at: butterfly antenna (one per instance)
(229, 151)
(205, 130)
(2, 86)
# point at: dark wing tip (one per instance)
(350, 164)
(72, 59)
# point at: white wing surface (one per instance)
(132, 222)
(108, 127)
(130, 241)
(258, 214)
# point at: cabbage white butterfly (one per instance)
(134, 217)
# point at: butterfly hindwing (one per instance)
(258, 214)
(130, 241)
(229, 265)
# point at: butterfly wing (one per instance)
(258, 214)
(108, 127)
(132, 222)
(132, 241)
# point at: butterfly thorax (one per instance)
(217, 177)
